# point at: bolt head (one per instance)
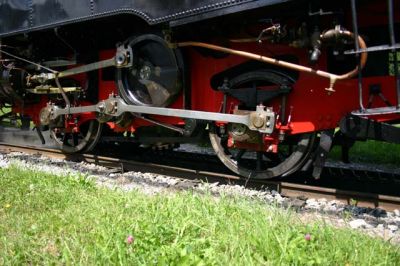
(258, 121)
(120, 59)
(145, 72)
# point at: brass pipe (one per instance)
(332, 77)
(364, 55)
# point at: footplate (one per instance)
(360, 128)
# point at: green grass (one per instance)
(375, 152)
(67, 220)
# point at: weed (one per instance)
(46, 219)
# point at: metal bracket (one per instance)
(47, 89)
(359, 128)
(262, 120)
(322, 151)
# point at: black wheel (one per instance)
(255, 163)
(83, 141)
(292, 154)
(154, 78)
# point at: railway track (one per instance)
(192, 176)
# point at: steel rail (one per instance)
(194, 176)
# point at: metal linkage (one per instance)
(63, 93)
(393, 46)
(357, 48)
(262, 120)
(322, 152)
(378, 48)
(393, 43)
(26, 61)
(123, 58)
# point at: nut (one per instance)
(111, 107)
(44, 116)
(258, 121)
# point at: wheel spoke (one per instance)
(274, 157)
(65, 139)
(84, 140)
(156, 91)
(240, 154)
(75, 140)
(163, 74)
(290, 148)
(259, 161)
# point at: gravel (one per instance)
(358, 223)
(373, 221)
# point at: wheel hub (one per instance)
(145, 72)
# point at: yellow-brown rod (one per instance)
(332, 77)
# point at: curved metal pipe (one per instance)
(332, 77)
(336, 34)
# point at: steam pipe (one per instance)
(335, 33)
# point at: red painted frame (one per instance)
(310, 106)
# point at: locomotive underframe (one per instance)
(298, 104)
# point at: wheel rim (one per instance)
(83, 141)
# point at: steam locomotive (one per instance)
(269, 81)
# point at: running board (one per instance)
(359, 128)
(377, 111)
(377, 48)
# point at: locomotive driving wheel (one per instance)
(154, 77)
(254, 164)
(83, 140)
(249, 160)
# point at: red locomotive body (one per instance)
(269, 80)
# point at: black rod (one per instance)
(393, 43)
(357, 48)
(391, 22)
